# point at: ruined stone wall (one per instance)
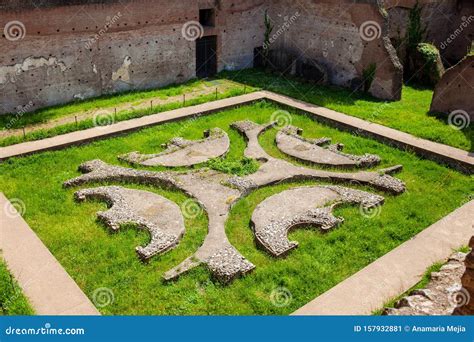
(137, 45)
(449, 24)
(455, 91)
(89, 47)
(467, 292)
(344, 37)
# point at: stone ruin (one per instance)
(217, 192)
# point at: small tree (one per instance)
(415, 36)
(267, 37)
(416, 31)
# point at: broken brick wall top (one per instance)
(449, 24)
(455, 92)
(90, 48)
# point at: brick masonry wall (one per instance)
(455, 91)
(443, 19)
(329, 33)
(58, 60)
(143, 48)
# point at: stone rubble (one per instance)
(443, 294)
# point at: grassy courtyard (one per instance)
(96, 258)
(410, 115)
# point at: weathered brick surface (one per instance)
(328, 32)
(449, 24)
(455, 90)
(144, 48)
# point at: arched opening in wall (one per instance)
(206, 56)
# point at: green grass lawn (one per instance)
(12, 300)
(96, 258)
(408, 115)
(47, 114)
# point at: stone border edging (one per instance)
(397, 271)
(454, 157)
(49, 288)
(461, 160)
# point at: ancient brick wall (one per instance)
(138, 45)
(344, 37)
(455, 91)
(449, 24)
(89, 48)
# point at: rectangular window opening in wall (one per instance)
(207, 17)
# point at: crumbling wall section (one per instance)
(449, 24)
(79, 51)
(344, 38)
(455, 91)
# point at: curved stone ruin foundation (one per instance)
(217, 192)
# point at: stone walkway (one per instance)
(459, 159)
(397, 271)
(44, 281)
